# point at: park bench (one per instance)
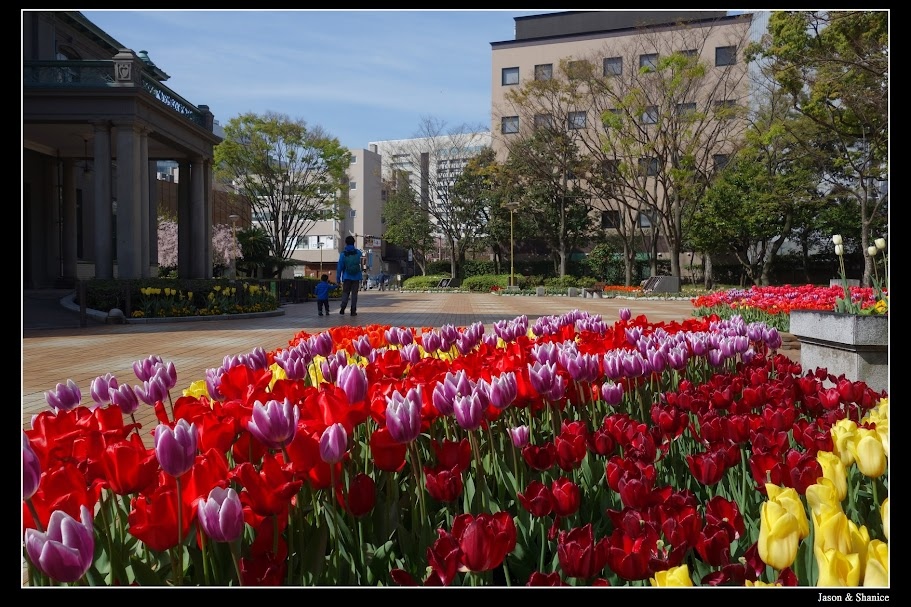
(596, 290)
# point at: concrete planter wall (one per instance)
(856, 346)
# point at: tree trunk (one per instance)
(707, 271)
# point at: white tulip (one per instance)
(881, 244)
(839, 249)
(871, 251)
(836, 240)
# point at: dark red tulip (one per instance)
(579, 554)
(443, 485)
(485, 540)
(566, 496)
(540, 458)
(537, 499)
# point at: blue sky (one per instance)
(361, 75)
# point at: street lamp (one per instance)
(512, 206)
(234, 219)
(319, 245)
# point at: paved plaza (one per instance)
(56, 348)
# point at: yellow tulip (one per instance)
(789, 499)
(779, 535)
(197, 389)
(823, 498)
(884, 514)
(868, 452)
(837, 568)
(761, 584)
(831, 532)
(673, 577)
(834, 470)
(860, 541)
(842, 436)
(876, 572)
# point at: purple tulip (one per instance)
(65, 551)
(491, 340)
(633, 364)
(410, 353)
(153, 390)
(213, 381)
(469, 411)
(503, 390)
(542, 376)
(612, 393)
(353, 380)
(333, 443)
(519, 435)
(147, 367)
(64, 397)
(545, 352)
(716, 357)
(101, 389)
(168, 374)
(625, 314)
(677, 357)
(772, 338)
(403, 415)
(176, 449)
(363, 346)
(31, 469)
(124, 397)
(274, 424)
(657, 360)
(221, 515)
(431, 341)
(256, 359)
(321, 344)
(612, 365)
(295, 361)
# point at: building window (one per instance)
(647, 219)
(684, 109)
(544, 121)
(576, 69)
(510, 76)
(352, 185)
(613, 66)
(721, 161)
(353, 159)
(648, 61)
(545, 71)
(610, 219)
(650, 115)
(725, 55)
(576, 120)
(509, 125)
(725, 109)
(690, 53)
(352, 213)
(648, 166)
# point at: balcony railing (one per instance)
(100, 74)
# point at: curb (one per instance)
(68, 302)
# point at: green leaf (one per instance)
(145, 575)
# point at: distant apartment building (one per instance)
(617, 49)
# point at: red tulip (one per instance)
(484, 540)
(443, 485)
(388, 454)
(579, 555)
(268, 491)
(566, 496)
(540, 458)
(444, 557)
(545, 579)
(129, 466)
(361, 495)
(452, 453)
(537, 499)
(153, 517)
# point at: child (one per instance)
(322, 293)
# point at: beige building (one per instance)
(617, 106)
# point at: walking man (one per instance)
(350, 273)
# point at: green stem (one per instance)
(418, 477)
(205, 559)
(178, 571)
(31, 508)
(235, 557)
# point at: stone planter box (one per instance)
(856, 346)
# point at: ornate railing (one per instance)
(100, 74)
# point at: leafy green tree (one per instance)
(834, 65)
(407, 224)
(293, 175)
(476, 204)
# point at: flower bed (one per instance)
(568, 451)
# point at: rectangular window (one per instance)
(576, 120)
(352, 213)
(576, 69)
(509, 125)
(686, 108)
(648, 61)
(720, 160)
(610, 219)
(545, 71)
(544, 121)
(353, 159)
(650, 115)
(648, 166)
(690, 52)
(646, 220)
(725, 109)
(352, 185)
(613, 66)
(510, 76)
(725, 55)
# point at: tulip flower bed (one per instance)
(772, 305)
(568, 451)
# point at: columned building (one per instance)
(96, 119)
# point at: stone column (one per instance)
(200, 228)
(184, 234)
(68, 224)
(100, 207)
(145, 222)
(129, 202)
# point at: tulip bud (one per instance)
(871, 250)
(66, 550)
(333, 443)
(275, 423)
(876, 570)
(31, 469)
(176, 449)
(884, 515)
(840, 249)
(625, 314)
(836, 239)
(880, 244)
(673, 577)
(221, 515)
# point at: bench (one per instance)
(596, 290)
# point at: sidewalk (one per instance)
(53, 355)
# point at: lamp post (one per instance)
(319, 245)
(234, 219)
(512, 206)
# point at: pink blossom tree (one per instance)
(224, 247)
